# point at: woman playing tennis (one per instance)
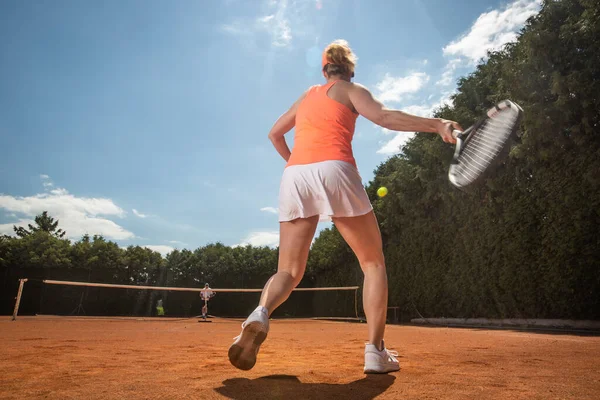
(321, 180)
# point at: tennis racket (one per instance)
(483, 143)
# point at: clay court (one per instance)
(95, 358)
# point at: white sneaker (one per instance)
(380, 362)
(243, 351)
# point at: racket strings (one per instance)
(483, 146)
(486, 143)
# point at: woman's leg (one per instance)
(294, 242)
(363, 236)
(295, 238)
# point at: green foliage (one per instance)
(41, 253)
(220, 265)
(97, 253)
(39, 249)
(331, 262)
(44, 223)
(525, 243)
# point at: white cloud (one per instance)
(426, 110)
(277, 26)
(394, 146)
(138, 214)
(46, 181)
(272, 210)
(261, 239)
(177, 244)
(56, 201)
(266, 19)
(60, 192)
(276, 23)
(492, 30)
(420, 110)
(76, 215)
(7, 229)
(162, 249)
(448, 75)
(394, 89)
(446, 99)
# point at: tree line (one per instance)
(41, 251)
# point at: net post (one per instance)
(19, 293)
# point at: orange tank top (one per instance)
(324, 129)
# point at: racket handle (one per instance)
(456, 133)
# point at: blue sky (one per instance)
(147, 121)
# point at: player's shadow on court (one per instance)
(290, 387)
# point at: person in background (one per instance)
(160, 311)
(206, 294)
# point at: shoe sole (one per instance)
(380, 369)
(242, 353)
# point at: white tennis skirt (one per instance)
(328, 189)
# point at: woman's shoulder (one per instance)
(348, 86)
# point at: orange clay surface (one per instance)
(94, 358)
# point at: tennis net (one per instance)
(57, 297)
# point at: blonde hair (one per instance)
(338, 58)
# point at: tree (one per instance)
(44, 223)
(40, 249)
(6, 244)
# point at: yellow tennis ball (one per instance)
(382, 191)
